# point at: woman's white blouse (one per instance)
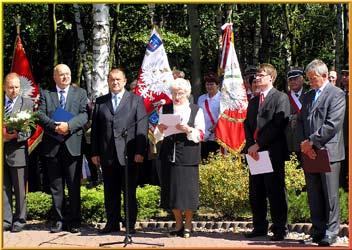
(197, 132)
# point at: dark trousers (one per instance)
(62, 169)
(271, 186)
(114, 182)
(207, 147)
(323, 199)
(15, 179)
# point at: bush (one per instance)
(92, 204)
(38, 206)
(224, 185)
(298, 210)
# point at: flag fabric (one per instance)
(29, 88)
(229, 131)
(154, 78)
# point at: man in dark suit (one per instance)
(265, 124)
(61, 146)
(113, 113)
(320, 125)
(15, 157)
(295, 95)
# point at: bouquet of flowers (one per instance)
(22, 121)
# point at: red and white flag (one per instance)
(29, 88)
(229, 131)
(154, 78)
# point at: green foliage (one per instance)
(224, 185)
(298, 208)
(294, 176)
(38, 205)
(92, 203)
(148, 198)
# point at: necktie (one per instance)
(8, 107)
(317, 93)
(261, 99)
(297, 95)
(116, 102)
(62, 98)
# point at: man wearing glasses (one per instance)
(267, 118)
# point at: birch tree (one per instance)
(101, 50)
(83, 50)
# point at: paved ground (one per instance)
(37, 235)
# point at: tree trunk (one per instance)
(264, 52)
(194, 28)
(257, 44)
(113, 45)
(83, 50)
(338, 38)
(53, 35)
(101, 50)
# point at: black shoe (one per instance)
(313, 239)
(74, 229)
(6, 227)
(187, 233)
(278, 237)
(178, 233)
(57, 227)
(17, 227)
(255, 233)
(327, 241)
(109, 228)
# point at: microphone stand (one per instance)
(128, 238)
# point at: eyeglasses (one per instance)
(178, 94)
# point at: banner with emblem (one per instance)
(153, 78)
(29, 88)
(229, 131)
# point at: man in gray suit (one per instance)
(61, 146)
(15, 157)
(113, 113)
(320, 125)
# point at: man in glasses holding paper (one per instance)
(265, 124)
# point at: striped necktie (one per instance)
(8, 107)
(62, 99)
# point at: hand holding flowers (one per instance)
(22, 121)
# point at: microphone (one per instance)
(159, 103)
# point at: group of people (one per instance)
(300, 121)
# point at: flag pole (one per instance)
(18, 23)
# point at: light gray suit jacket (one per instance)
(16, 151)
(322, 121)
(76, 104)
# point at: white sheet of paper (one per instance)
(170, 120)
(262, 166)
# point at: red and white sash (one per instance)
(295, 102)
(207, 108)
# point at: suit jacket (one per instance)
(107, 126)
(271, 120)
(76, 103)
(322, 121)
(16, 151)
(293, 141)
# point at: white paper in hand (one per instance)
(170, 120)
(262, 166)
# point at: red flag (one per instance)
(154, 78)
(229, 131)
(29, 88)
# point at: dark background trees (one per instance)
(282, 34)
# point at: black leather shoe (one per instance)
(56, 227)
(17, 227)
(6, 227)
(178, 233)
(187, 233)
(109, 228)
(278, 237)
(255, 233)
(327, 241)
(313, 239)
(75, 230)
